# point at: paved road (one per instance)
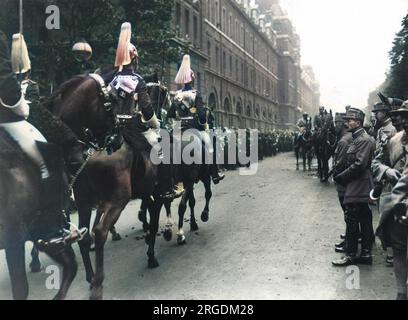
(270, 236)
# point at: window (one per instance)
(236, 69)
(224, 62)
(217, 20)
(187, 22)
(224, 20)
(231, 66)
(178, 14)
(217, 58)
(195, 29)
(230, 26)
(209, 53)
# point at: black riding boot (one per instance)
(216, 176)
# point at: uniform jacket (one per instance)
(356, 177)
(395, 156)
(182, 106)
(340, 159)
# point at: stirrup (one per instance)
(59, 244)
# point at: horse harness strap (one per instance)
(90, 153)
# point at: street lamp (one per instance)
(82, 51)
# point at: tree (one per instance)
(398, 75)
(97, 22)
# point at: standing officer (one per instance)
(345, 138)
(357, 180)
(388, 165)
(385, 132)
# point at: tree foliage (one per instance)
(398, 75)
(97, 22)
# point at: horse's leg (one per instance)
(35, 264)
(297, 158)
(304, 159)
(191, 204)
(15, 256)
(67, 259)
(208, 194)
(154, 212)
(84, 212)
(115, 235)
(110, 216)
(142, 215)
(181, 239)
(168, 232)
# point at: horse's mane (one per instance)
(11, 155)
(65, 87)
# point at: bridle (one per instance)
(102, 143)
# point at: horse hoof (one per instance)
(152, 263)
(193, 226)
(116, 237)
(181, 239)
(205, 216)
(168, 234)
(35, 268)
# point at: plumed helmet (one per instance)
(380, 106)
(185, 74)
(355, 114)
(20, 61)
(126, 51)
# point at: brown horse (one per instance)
(108, 182)
(21, 216)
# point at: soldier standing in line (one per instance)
(387, 167)
(345, 139)
(385, 132)
(357, 180)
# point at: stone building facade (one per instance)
(246, 57)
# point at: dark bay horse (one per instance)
(304, 148)
(21, 218)
(325, 141)
(108, 182)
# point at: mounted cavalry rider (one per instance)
(319, 119)
(142, 130)
(13, 119)
(305, 123)
(188, 106)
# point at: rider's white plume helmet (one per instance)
(185, 74)
(20, 61)
(126, 51)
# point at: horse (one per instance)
(22, 216)
(304, 147)
(190, 174)
(108, 182)
(325, 141)
(160, 98)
